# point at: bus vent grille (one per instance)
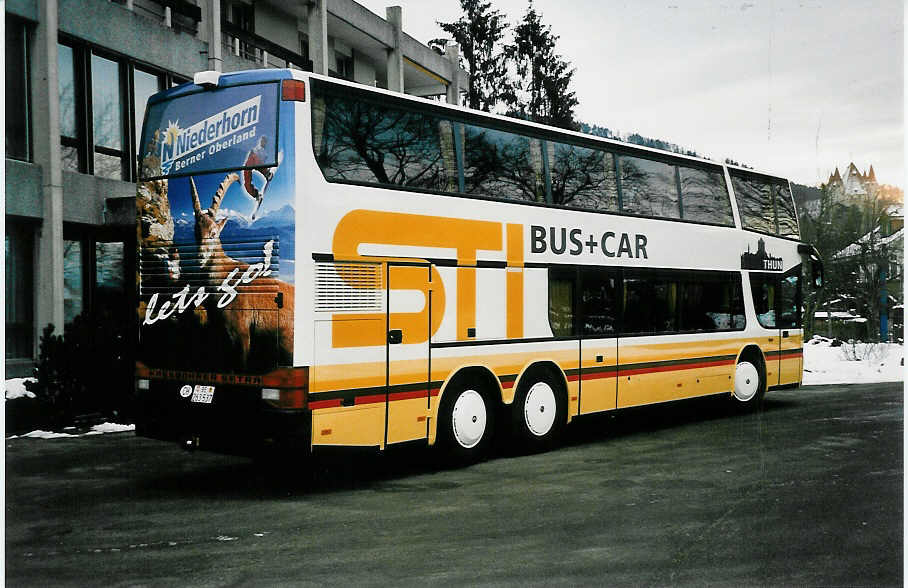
(347, 287)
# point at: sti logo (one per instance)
(467, 238)
(214, 132)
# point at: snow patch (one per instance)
(95, 430)
(112, 428)
(39, 434)
(878, 362)
(15, 388)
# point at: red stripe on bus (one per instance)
(395, 396)
(372, 399)
(408, 395)
(599, 375)
(333, 403)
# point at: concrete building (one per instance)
(78, 74)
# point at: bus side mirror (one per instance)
(816, 273)
(816, 265)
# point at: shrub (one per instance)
(86, 370)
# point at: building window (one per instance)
(20, 286)
(95, 266)
(102, 107)
(240, 18)
(110, 279)
(344, 67)
(18, 115)
(144, 85)
(73, 279)
(107, 118)
(304, 50)
(70, 121)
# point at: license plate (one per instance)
(202, 394)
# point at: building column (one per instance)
(452, 52)
(46, 135)
(317, 19)
(215, 57)
(395, 55)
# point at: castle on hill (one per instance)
(853, 186)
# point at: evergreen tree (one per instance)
(479, 32)
(540, 90)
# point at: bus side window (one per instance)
(755, 204)
(363, 141)
(582, 177)
(736, 292)
(650, 303)
(648, 187)
(561, 301)
(788, 220)
(599, 301)
(704, 196)
(790, 299)
(503, 165)
(763, 288)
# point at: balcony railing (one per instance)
(180, 15)
(259, 49)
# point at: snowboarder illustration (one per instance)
(256, 157)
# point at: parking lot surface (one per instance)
(806, 492)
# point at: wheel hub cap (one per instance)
(747, 381)
(469, 419)
(539, 409)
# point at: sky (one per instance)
(789, 87)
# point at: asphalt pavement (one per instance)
(806, 492)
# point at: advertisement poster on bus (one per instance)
(216, 232)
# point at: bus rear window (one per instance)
(227, 129)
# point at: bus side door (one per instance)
(790, 333)
(409, 322)
(598, 301)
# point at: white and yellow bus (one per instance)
(459, 273)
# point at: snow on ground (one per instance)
(15, 388)
(95, 430)
(858, 363)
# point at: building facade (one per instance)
(79, 73)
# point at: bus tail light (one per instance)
(293, 90)
(286, 387)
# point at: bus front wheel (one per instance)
(466, 421)
(539, 412)
(750, 382)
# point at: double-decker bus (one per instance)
(325, 264)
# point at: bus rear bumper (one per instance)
(241, 428)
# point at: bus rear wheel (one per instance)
(750, 382)
(466, 421)
(539, 412)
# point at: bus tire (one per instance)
(466, 420)
(749, 382)
(539, 411)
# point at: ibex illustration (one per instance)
(156, 227)
(260, 315)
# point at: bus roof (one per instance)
(226, 80)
